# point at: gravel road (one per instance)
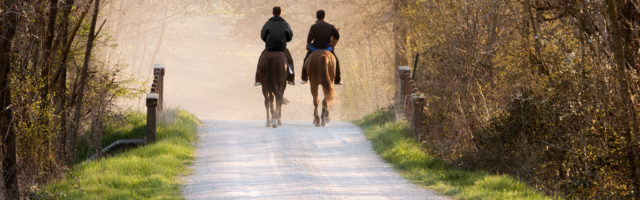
(245, 160)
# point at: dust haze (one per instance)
(210, 51)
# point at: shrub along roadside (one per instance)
(149, 172)
(389, 139)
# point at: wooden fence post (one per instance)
(400, 88)
(409, 103)
(417, 115)
(410, 90)
(152, 103)
(159, 69)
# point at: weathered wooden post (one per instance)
(159, 69)
(152, 103)
(400, 88)
(417, 115)
(407, 98)
(406, 92)
(401, 76)
(154, 87)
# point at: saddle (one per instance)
(313, 48)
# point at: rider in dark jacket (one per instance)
(321, 36)
(276, 33)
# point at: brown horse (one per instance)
(272, 67)
(321, 70)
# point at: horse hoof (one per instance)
(274, 126)
(279, 123)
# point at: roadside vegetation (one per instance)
(389, 139)
(148, 172)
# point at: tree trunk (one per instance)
(400, 33)
(619, 37)
(535, 58)
(84, 77)
(59, 81)
(9, 169)
(48, 48)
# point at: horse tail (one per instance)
(327, 83)
(276, 69)
(273, 85)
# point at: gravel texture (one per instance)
(246, 160)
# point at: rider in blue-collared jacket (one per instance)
(275, 34)
(321, 36)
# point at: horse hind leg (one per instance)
(325, 113)
(273, 112)
(279, 112)
(314, 93)
(266, 107)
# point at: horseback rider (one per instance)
(322, 36)
(276, 32)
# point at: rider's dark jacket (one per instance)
(320, 34)
(276, 33)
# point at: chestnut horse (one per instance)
(272, 67)
(321, 70)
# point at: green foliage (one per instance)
(149, 172)
(389, 139)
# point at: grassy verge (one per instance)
(149, 172)
(389, 139)
(132, 126)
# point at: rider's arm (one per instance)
(289, 33)
(310, 37)
(334, 33)
(335, 36)
(264, 32)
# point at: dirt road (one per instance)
(245, 160)
(210, 73)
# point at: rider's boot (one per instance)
(290, 70)
(338, 79)
(290, 75)
(257, 79)
(304, 76)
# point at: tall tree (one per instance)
(400, 33)
(48, 47)
(621, 15)
(8, 21)
(84, 77)
(59, 81)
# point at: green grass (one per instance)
(149, 172)
(389, 138)
(131, 126)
